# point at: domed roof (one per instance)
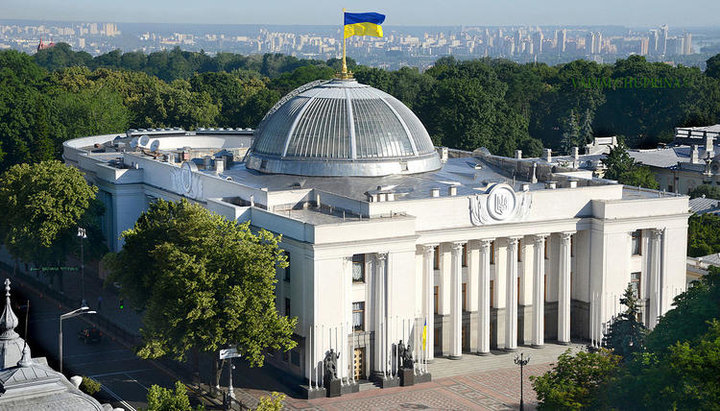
(341, 128)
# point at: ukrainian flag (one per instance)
(424, 334)
(364, 24)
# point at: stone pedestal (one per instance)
(420, 378)
(311, 393)
(333, 387)
(407, 377)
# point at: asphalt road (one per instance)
(124, 377)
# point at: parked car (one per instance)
(90, 335)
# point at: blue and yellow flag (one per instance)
(364, 24)
(424, 334)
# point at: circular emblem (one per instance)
(186, 176)
(501, 202)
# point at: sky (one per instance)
(632, 13)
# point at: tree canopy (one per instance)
(204, 282)
(41, 204)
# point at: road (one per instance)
(124, 377)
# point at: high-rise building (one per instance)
(688, 44)
(591, 46)
(562, 41)
(538, 42)
(662, 46)
(653, 41)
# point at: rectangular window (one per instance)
(635, 283)
(286, 275)
(286, 356)
(435, 290)
(358, 316)
(520, 250)
(492, 252)
(464, 297)
(670, 188)
(436, 258)
(287, 307)
(547, 248)
(637, 242)
(492, 293)
(358, 268)
(464, 255)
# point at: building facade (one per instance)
(390, 239)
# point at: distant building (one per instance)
(43, 46)
(29, 384)
(692, 159)
(700, 266)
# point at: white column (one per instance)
(456, 302)
(484, 298)
(655, 284)
(429, 267)
(538, 325)
(380, 320)
(511, 303)
(564, 289)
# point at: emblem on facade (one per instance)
(186, 182)
(499, 203)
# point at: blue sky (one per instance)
(419, 12)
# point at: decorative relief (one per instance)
(500, 203)
(186, 182)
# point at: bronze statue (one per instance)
(330, 365)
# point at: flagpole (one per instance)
(344, 62)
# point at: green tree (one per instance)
(626, 335)
(571, 133)
(272, 402)
(703, 235)
(164, 399)
(204, 282)
(585, 129)
(41, 203)
(89, 386)
(705, 190)
(617, 162)
(576, 381)
(639, 176)
(712, 67)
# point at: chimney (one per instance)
(219, 165)
(434, 192)
(518, 154)
(547, 155)
(452, 190)
(207, 160)
(444, 154)
(694, 154)
(709, 144)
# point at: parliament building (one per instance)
(390, 238)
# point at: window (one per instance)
(519, 250)
(358, 316)
(286, 276)
(436, 258)
(464, 255)
(547, 248)
(287, 307)
(670, 188)
(295, 357)
(464, 297)
(286, 356)
(492, 293)
(492, 252)
(637, 242)
(435, 309)
(358, 268)
(635, 283)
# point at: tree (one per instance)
(40, 203)
(89, 386)
(586, 132)
(703, 235)
(639, 176)
(626, 335)
(204, 282)
(617, 162)
(571, 133)
(576, 381)
(706, 191)
(164, 399)
(712, 67)
(272, 402)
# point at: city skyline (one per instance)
(641, 13)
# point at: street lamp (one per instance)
(522, 361)
(80, 311)
(82, 233)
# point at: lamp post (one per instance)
(522, 361)
(80, 311)
(82, 233)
